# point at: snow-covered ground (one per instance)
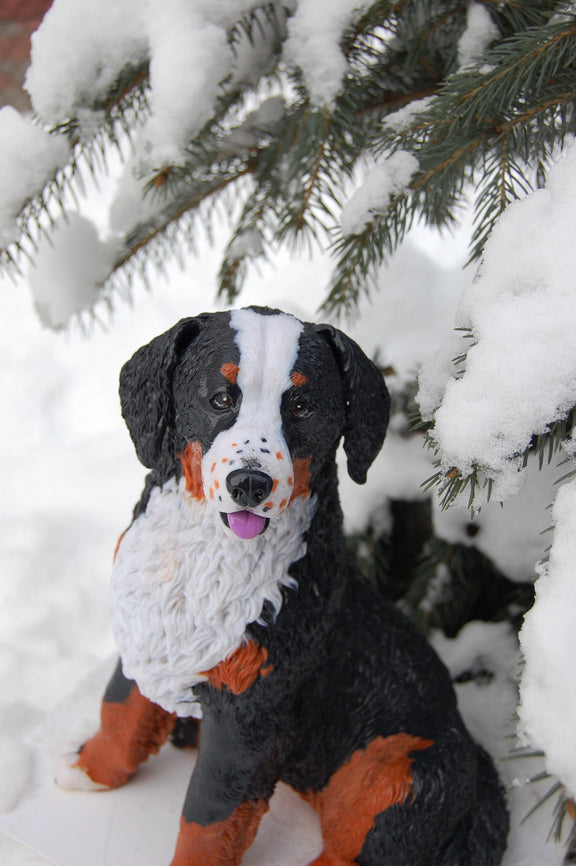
(70, 478)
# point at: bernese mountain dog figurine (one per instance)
(234, 601)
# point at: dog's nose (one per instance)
(248, 487)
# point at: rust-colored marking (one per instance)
(129, 732)
(191, 461)
(221, 842)
(216, 484)
(282, 504)
(279, 456)
(240, 669)
(213, 467)
(118, 543)
(372, 780)
(269, 504)
(230, 371)
(301, 477)
(211, 493)
(290, 481)
(298, 379)
(275, 483)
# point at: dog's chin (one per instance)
(245, 524)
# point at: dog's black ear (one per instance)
(367, 399)
(146, 393)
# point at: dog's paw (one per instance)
(71, 777)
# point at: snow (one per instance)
(76, 261)
(81, 47)
(190, 56)
(29, 156)
(79, 50)
(548, 686)
(401, 120)
(521, 367)
(314, 35)
(384, 182)
(479, 33)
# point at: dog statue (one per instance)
(234, 600)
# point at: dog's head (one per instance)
(252, 404)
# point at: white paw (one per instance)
(73, 778)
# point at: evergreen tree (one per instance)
(450, 103)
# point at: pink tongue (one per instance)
(244, 524)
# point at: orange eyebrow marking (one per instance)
(230, 371)
(298, 379)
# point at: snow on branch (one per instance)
(519, 314)
(548, 686)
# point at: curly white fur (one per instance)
(184, 589)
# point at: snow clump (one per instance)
(479, 33)
(29, 157)
(70, 271)
(548, 687)
(520, 311)
(314, 35)
(385, 181)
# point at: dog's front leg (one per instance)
(131, 728)
(229, 791)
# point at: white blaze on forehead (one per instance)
(268, 351)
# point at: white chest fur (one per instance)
(184, 589)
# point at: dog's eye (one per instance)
(301, 409)
(222, 400)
